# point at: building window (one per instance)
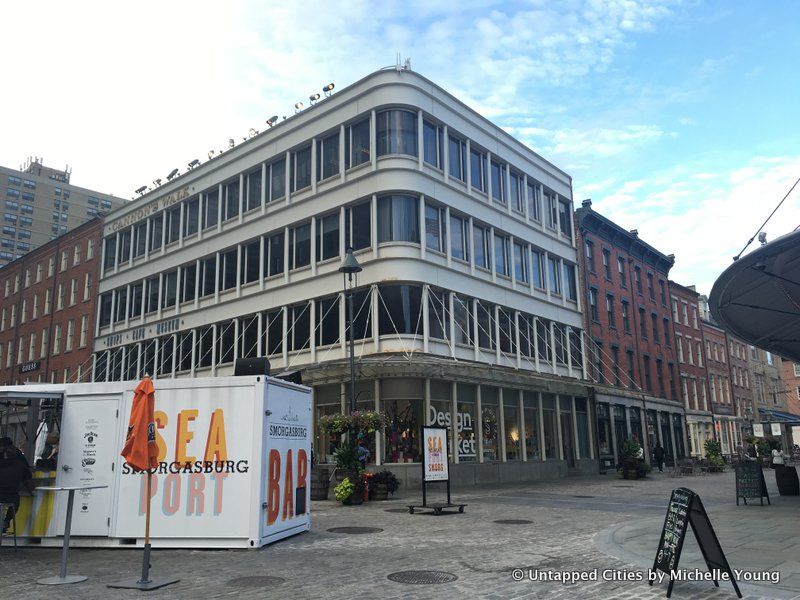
(249, 264)
(273, 258)
(679, 342)
(300, 246)
(650, 289)
(480, 246)
(462, 313)
(211, 208)
(477, 165)
(648, 384)
(399, 310)
(459, 237)
(565, 218)
(398, 219)
(169, 293)
(357, 232)
(538, 269)
(555, 276)
(156, 228)
(357, 143)
(230, 201)
(438, 315)
(607, 263)
(192, 214)
(598, 362)
(498, 174)
(227, 270)
(301, 169)
(551, 210)
(173, 225)
(397, 132)
(521, 262)
(328, 157)
(667, 340)
(137, 304)
(642, 323)
(189, 280)
(152, 295)
(485, 323)
(637, 278)
(433, 144)
(589, 248)
(626, 321)
(570, 282)
(534, 201)
(610, 311)
(615, 365)
(654, 319)
(300, 322)
(593, 313)
(327, 321)
(501, 255)
(516, 191)
(328, 236)
(277, 180)
(435, 227)
(662, 292)
(253, 183)
(457, 150)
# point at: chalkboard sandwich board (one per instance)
(750, 482)
(685, 508)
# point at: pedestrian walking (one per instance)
(658, 452)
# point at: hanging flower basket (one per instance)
(366, 421)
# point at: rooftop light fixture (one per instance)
(298, 107)
(272, 120)
(253, 132)
(172, 174)
(210, 154)
(313, 98)
(156, 182)
(141, 190)
(231, 143)
(194, 163)
(328, 89)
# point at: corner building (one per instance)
(466, 313)
(630, 350)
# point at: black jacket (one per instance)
(13, 471)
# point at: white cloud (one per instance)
(707, 220)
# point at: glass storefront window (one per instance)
(530, 402)
(489, 422)
(604, 430)
(466, 423)
(403, 402)
(582, 420)
(365, 400)
(327, 401)
(636, 425)
(679, 445)
(511, 424)
(441, 410)
(550, 433)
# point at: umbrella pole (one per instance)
(146, 558)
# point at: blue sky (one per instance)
(678, 119)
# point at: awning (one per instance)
(757, 298)
(779, 416)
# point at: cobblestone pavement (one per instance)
(578, 524)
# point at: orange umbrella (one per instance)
(141, 451)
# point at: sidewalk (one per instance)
(754, 538)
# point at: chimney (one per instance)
(587, 203)
(635, 232)
(672, 258)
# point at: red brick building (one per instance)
(630, 349)
(684, 302)
(741, 382)
(726, 418)
(47, 314)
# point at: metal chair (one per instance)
(4, 506)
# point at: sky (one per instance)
(677, 118)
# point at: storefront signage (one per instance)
(148, 209)
(464, 427)
(758, 430)
(168, 326)
(434, 441)
(30, 366)
(776, 428)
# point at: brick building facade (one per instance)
(726, 417)
(691, 365)
(741, 382)
(630, 348)
(47, 315)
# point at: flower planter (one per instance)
(354, 499)
(379, 492)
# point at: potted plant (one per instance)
(350, 490)
(714, 461)
(631, 468)
(382, 484)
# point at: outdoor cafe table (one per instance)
(63, 577)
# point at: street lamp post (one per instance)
(349, 268)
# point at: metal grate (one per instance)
(255, 581)
(355, 530)
(513, 521)
(422, 577)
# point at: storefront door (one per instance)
(87, 452)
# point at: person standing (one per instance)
(658, 453)
(14, 471)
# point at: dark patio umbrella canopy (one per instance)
(757, 298)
